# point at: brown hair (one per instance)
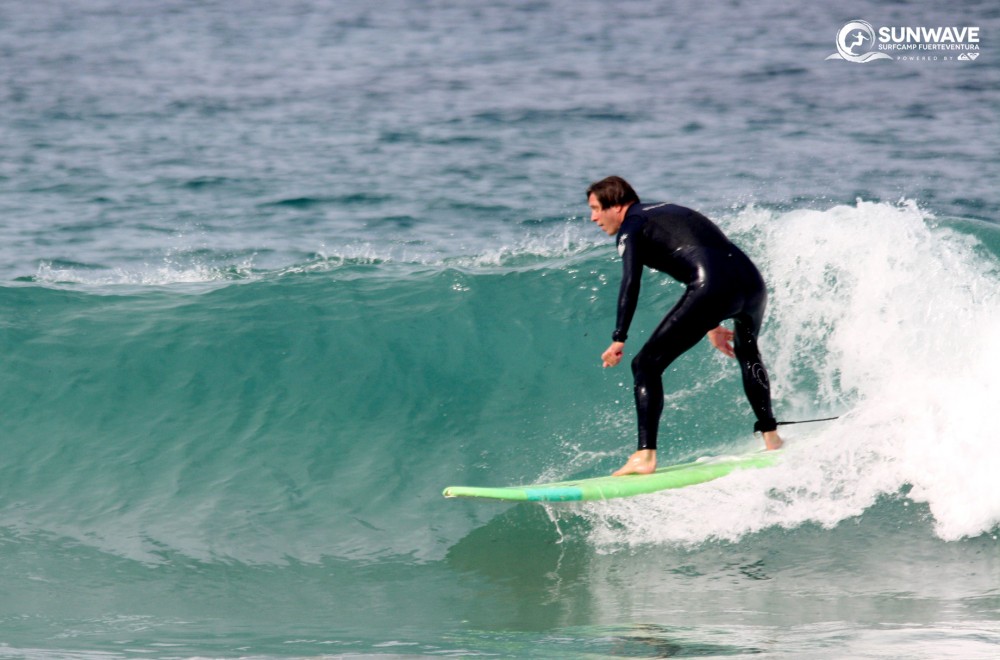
(612, 191)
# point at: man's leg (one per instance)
(681, 329)
(756, 384)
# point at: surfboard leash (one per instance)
(757, 425)
(809, 421)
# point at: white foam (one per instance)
(878, 312)
(568, 240)
(168, 272)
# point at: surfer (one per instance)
(722, 283)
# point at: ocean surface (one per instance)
(273, 274)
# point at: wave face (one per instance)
(295, 414)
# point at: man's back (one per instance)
(670, 239)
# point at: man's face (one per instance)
(609, 219)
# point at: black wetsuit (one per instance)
(722, 283)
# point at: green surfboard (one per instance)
(606, 488)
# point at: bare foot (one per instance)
(641, 462)
(772, 440)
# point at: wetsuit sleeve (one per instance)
(628, 295)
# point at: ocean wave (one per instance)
(318, 409)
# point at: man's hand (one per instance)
(722, 338)
(613, 355)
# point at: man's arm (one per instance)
(628, 293)
(628, 298)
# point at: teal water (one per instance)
(272, 276)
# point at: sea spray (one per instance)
(885, 315)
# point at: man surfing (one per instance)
(722, 283)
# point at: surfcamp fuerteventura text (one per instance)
(859, 42)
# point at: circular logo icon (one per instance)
(855, 40)
(856, 43)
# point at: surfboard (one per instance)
(606, 488)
